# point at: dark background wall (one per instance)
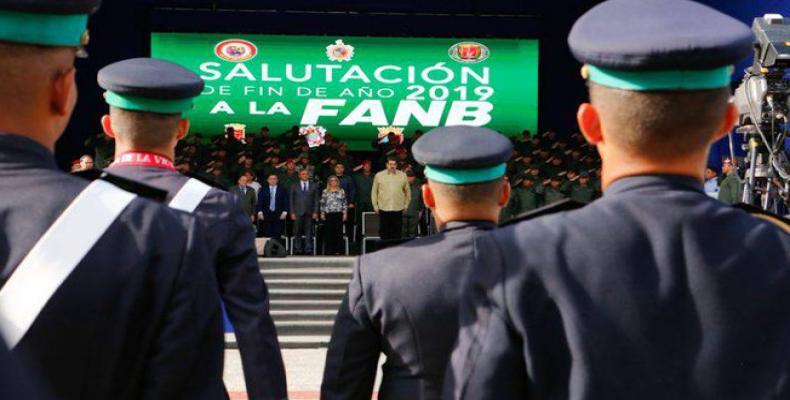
(121, 29)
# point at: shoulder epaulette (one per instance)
(560, 206)
(138, 188)
(206, 180)
(781, 222)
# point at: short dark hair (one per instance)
(144, 129)
(662, 123)
(472, 193)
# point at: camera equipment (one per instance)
(763, 99)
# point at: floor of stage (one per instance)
(304, 369)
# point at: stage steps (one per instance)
(305, 294)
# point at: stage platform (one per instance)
(304, 293)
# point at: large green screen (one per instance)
(353, 85)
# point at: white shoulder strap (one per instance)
(56, 255)
(189, 197)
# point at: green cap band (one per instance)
(42, 29)
(453, 176)
(136, 103)
(661, 80)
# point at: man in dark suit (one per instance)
(246, 194)
(303, 202)
(656, 290)
(147, 99)
(403, 301)
(272, 207)
(104, 294)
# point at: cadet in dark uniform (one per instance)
(103, 294)
(17, 383)
(147, 98)
(413, 213)
(655, 291)
(403, 301)
(525, 197)
(582, 191)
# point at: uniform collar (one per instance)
(15, 149)
(654, 182)
(457, 225)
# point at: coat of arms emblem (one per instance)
(339, 51)
(469, 52)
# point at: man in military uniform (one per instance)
(525, 197)
(104, 294)
(413, 213)
(17, 383)
(582, 191)
(552, 193)
(731, 188)
(403, 301)
(363, 181)
(655, 291)
(147, 99)
(290, 175)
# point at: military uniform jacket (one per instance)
(137, 318)
(17, 383)
(523, 200)
(403, 302)
(415, 204)
(731, 189)
(231, 245)
(364, 185)
(655, 291)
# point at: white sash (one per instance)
(56, 255)
(189, 197)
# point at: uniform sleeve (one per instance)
(407, 193)
(246, 299)
(353, 353)
(17, 383)
(187, 356)
(352, 191)
(291, 195)
(487, 360)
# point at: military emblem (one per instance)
(384, 132)
(239, 131)
(314, 135)
(339, 51)
(235, 50)
(469, 52)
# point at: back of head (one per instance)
(660, 124)
(465, 167)
(144, 130)
(147, 99)
(482, 194)
(659, 87)
(38, 43)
